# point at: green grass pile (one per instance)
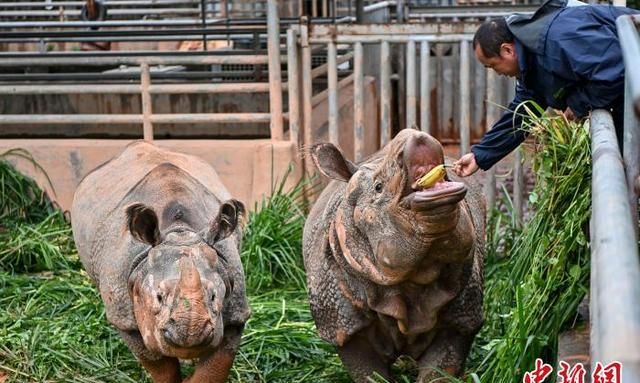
(52, 320)
(535, 278)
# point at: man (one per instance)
(566, 56)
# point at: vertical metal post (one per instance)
(294, 87)
(465, 112)
(203, 16)
(314, 8)
(518, 186)
(493, 114)
(224, 9)
(306, 90)
(358, 107)
(631, 149)
(425, 87)
(385, 93)
(325, 8)
(411, 85)
(145, 82)
(275, 80)
(359, 11)
(332, 77)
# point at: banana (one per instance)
(436, 174)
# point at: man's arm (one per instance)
(506, 134)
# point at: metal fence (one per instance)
(615, 269)
(417, 43)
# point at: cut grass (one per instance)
(53, 326)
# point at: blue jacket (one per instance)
(572, 60)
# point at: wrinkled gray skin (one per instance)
(392, 269)
(159, 235)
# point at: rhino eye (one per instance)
(378, 187)
(159, 297)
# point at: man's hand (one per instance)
(466, 165)
(569, 115)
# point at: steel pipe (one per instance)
(275, 77)
(307, 93)
(85, 119)
(630, 43)
(425, 86)
(465, 96)
(615, 287)
(373, 39)
(332, 78)
(147, 110)
(493, 99)
(385, 93)
(294, 86)
(134, 89)
(411, 86)
(88, 60)
(358, 104)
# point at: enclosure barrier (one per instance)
(615, 270)
(147, 118)
(301, 38)
(630, 42)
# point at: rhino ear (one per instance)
(143, 224)
(330, 161)
(231, 213)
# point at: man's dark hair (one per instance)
(491, 35)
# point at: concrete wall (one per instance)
(248, 168)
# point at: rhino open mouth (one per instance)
(441, 194)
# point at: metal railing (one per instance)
(417, 42)
(615, 268)
(147, 118)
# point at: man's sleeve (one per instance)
(506, 134)
(584, 49)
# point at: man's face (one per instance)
(505, 64)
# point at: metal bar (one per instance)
(322, 69)
(84, 119)
(117, 39)
(205, 118)
(411, 85)
(314, 8)
(134, 89)
(293, 66)
(154, 23)
(385, 94)
(112, 12)
(615, 316)
(630, 43)
(373, 39)
(359, 11)
(112, 3)
(325, 8)
(275, 77)
(307, 91)
(425, 87)
(493, 114)
(124, 60)
(631, 151)
(326, 30)
(518, 187)
(465, 93)
(358, 104)
(145, 81)
(332, 78)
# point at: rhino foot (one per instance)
(446, 354)
(362, 361)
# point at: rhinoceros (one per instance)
(159, 235)
(393, 269)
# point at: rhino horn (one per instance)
(190, 283)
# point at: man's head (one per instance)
(494, 46)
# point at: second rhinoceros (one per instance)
(393, 269)
(159, 235)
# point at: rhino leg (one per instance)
(215, 367)
(362, 361)
(446, 353)
(162, 369)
